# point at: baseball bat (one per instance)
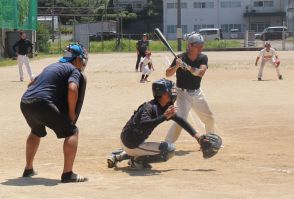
(165, 42)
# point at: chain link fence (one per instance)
(112, 42)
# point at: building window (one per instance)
(184, 29)
(229, 27)
(231, 4)
(175, 5)
(259, 27)
(203, 4)
(171, 5)
(263, 3)
(200, 26)
(171, 28)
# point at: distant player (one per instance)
(142, 123)
(146, 66)
(141, 48)
(22, 48)
(268, 55)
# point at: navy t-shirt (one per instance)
(52, 84)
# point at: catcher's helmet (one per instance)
(163, 85)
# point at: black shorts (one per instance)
(40, 114)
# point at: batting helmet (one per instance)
(162, 86)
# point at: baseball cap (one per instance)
(195, 39)
(73, 51)
(267, 43)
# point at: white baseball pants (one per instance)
(185, 102)
(23, 59)
(146, 148)
(272, 62)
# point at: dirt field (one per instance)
(254, 118)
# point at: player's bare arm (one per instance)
(256, 61)
(172, 70)
(72, 100)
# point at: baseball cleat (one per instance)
(111, 161)
(139, 165)
(259, 79)
(280, 77)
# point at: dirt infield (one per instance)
(254, 118)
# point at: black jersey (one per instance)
(184, 78)
(143, 122)
(24, 47)
(142, 46)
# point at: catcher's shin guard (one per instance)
(167, 151)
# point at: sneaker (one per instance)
(27, 173)
(280, 77)
(259, 79)
(139, 165)
(111, 161)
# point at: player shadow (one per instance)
(200, 170)
(182, 152)
(264, 80)
(133, 172)
(31, 182)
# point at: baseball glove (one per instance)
(210, 144)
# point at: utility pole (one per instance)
(52, 28)
(179, 25)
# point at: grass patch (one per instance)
(11, 62)
(127, 45)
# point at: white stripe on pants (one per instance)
(263, 62)
(185, 101)
(23, 59)
(146, 148)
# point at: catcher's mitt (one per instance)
(210, 144)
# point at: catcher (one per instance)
(141, 124)
(268, 55)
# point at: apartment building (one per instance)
(253, 15)
(137, 5)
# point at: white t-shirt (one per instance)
(146, 61)
(267, 55)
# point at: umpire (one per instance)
(141, 47)
(190, 95)
(50, 101)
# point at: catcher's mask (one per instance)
(161, 86)
(73, 51)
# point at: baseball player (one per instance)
(190, 67)
(142, 123)
(146, 66)
(51, 101)
(22, 48)
(268, 55)
(141, 48)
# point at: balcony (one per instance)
(253, 13)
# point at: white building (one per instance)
(137, 5)
(253, 15)
(290, 15)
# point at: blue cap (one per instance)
(73, 51)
